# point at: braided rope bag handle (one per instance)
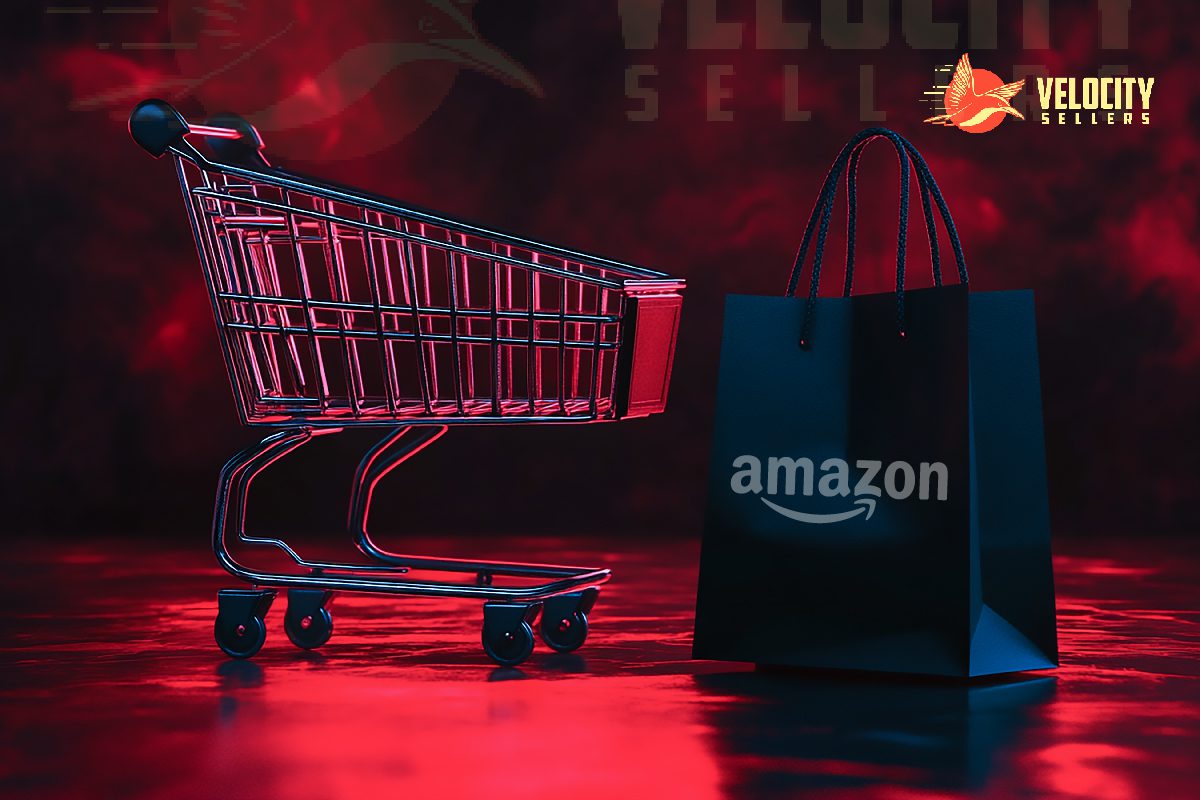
(847, 162)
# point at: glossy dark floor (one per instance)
(112, 687)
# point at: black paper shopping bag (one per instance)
(877, 490)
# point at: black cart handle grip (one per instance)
(158, 127)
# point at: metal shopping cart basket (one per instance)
(336, 308)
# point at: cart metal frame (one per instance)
(597, 347)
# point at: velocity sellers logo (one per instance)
(1095, 101)
(786, 476)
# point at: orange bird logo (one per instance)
(976, 100)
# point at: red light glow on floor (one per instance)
(110, 668)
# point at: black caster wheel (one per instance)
(243, 639)
(508, 631)
(240, 630)
(566, 634)
(310, 631)
(307, 621)
(508, 647)
(564, 619)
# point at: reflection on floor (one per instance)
(112, 687)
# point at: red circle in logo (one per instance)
(984, 81)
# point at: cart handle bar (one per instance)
(157, 127)
(209, 130)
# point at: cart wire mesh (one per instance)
(337, 308)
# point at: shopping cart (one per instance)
(337, 308)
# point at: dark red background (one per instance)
(117, 413)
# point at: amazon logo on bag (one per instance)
(784, 476)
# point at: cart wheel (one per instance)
(310, 631)
(239, 629)
(307, 621)
(241, 640)
(565, 635)
(508, 647)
